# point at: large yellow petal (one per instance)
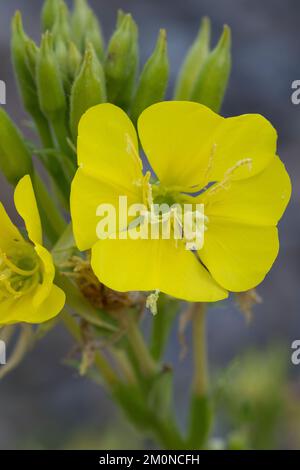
(52, 306)
(238, 256)
(186, 142)
(107, 146)
(26, 205)
(25, 310)
(146, 265)
(239, 139)
(48, 273)
(175, 137)
(87, 194)
(260, 200)
(8, 231)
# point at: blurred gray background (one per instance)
(43, 403)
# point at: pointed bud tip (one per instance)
(120, 13)
(162, 34)
(226, 36)
(47, 41)
(205, 22)
(161, 44)
(126, 21)
(17, 22)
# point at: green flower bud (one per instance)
(94, 35)
(125, 96)
(154, 78)
(49, 82)
(15, 158)
(88, 88)
(74, 60)
(24, 60)
(31, 53)
(212, 81)
(61, 27)
(122, 62)
(50, 12)
(120, 17)
(52, 97)
(61, 35)
(79, 21)
(193, 62)
(25, 80)
(86, 28)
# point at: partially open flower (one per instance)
(27, 292)
(227, 165)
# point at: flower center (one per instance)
(20, 270)
(172, 215)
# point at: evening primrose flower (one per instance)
(27, 292)
(228, 165)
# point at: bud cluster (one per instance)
(72, 69)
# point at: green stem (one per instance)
(147, 364)
(44, 131)
(200, 380)
(80, 304)
(162, 324)
(200, 409)
(100, 362)
(52, 220)
(61, 134)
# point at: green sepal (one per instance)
(15, 158)
(153, 81)
(88, 89)
(211, 84)
(121, 62)
(193, 62)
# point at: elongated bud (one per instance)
(125, 96)
(79, 21)
(31, 54)
(193, 62)
(211, 84)
(120, 17)
(86, 28)
(61, 34)
(49, 82)
(24, 57)
(154, 78)
(74, 60)
(26, 83)
(15, 158)
(122, 62)
(88, 88)
(94, 35)
(50, 12)
(61, 27)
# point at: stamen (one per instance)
(131, 150)
(227, 175)
(14, 281)
(147, 190)
(210, 164)
(151, 302)
(16, 269)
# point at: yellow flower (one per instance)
(229, 165)
(27, 292)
